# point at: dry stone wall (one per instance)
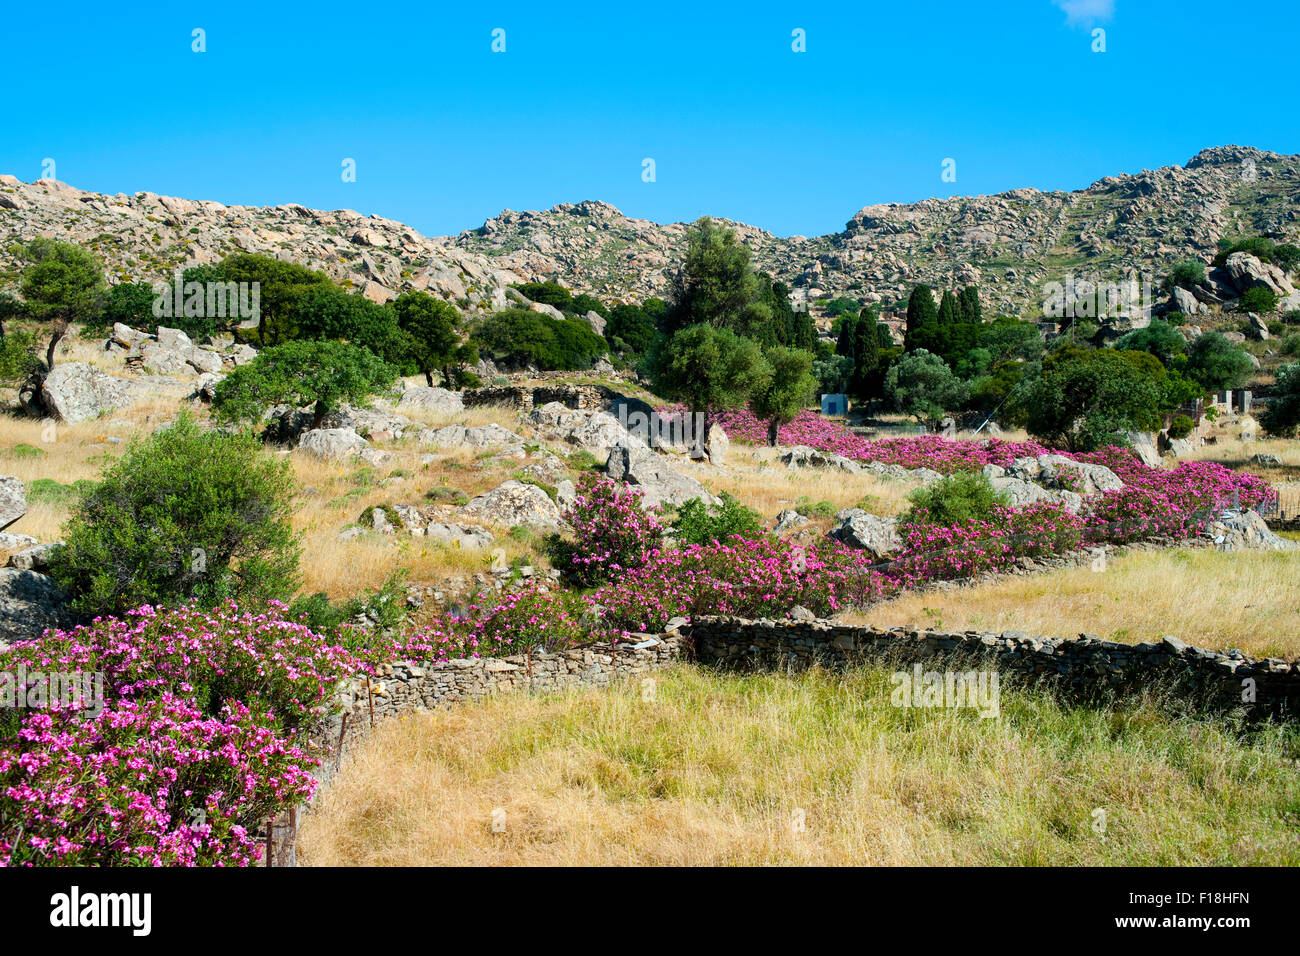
(1084, 667)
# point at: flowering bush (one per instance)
(200, 739)
(750, 577)
(612, 532)
(509, 624)
(921, 451)
(963, 549)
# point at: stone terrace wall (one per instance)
(1084, 667)
(583, 397)
(403, 687)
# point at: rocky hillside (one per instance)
(1010, 244)
(146, 237)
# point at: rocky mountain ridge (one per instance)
(1011, 244)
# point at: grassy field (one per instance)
(816, 768)
(1245, 600)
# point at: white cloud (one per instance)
(1086, 12)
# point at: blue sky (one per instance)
(446, 133)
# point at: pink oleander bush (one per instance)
(920, 451)
(506, 624)
(758, 577)
(612, 532)
(202, 738)
(963, 549)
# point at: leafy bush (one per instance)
(184, 515)
(694, 523)
(1181, 426)
(519, 337)
(960, 496)
(612, 532)
(17, 356)
(321, 374)
(1282, 416)
(1258, 299)
(1187, 274)
(923, 386)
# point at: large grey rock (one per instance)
(787, 520)
(599, 432)
(460, 535)
(173, 338)
(515, 503)
(1256, 327)
(1144, 445)
(648, 471)
(164, 360)
(1263, 460)
(77, 392)
(202, 359)
(1058, 471)
(1021, 493)
(126, 336)
(1186, 302)
(596, 321)
(29, 603)
(13, 500)
(1247, 272)
(1241, 530)
(35, 558)
(332, 443)
(801, 456)
(867, 532)
(475, 436)
(433, 399)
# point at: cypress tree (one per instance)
(949, 310)
(920, 311)
(848, 325)
(971, 311)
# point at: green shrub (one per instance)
(184, 515)
(17, 356)
(382, 609)
(21, 451)
(695, 525)
(1292, 345)
(450, 495)
(960, 496)
(1187, 274)
(1259, 299)
(1181, 426)
(49, 491)
(821, 509)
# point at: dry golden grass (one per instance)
(1246, 600)
(756, 477)
(719, 770)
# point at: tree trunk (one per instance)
(428, 376)
(60, 329)
(772, 428)
(320, 411)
